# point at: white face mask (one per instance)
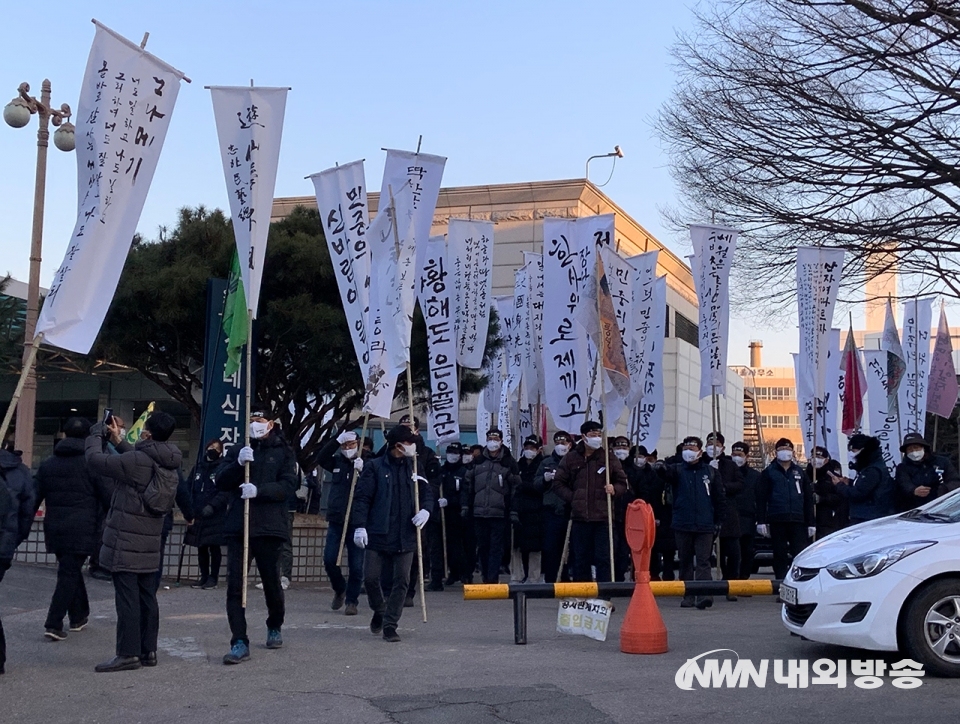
(712, 450)
(410, 450)
(819, 462)
(916, 455)
(349, 454)
(529, 454)
(640, 461)
(593, 443)
(123, 432)
(690, 455)
(739, 460)
(784, 456)
(453, 458)
(259, 430)
(466, 459)
(493, 445)
(561, 450)
(621, 454)
(852, 457)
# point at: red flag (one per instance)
(854, 386)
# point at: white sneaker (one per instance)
(284, 583)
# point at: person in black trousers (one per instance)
(785, 508)
(746, 504)
(206, 533)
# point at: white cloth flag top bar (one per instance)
(126, 103)
(249, 128)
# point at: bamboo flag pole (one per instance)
(604, 415)
(353, 488)
(27, 366)
(416, 501)
(246, 466)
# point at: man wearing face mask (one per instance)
(871, 495)
(386, 525)
(206, 533)
(489, 486)
(730, 527)
(526, 516)
(273, 479)
(581, 481)
(785, 508)
(746, 504)
(621, 551)
(699, 504)
(341, 457)
(832, 511)
(923, 475)
(556, 512)
(452, 475)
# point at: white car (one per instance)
(891, 584)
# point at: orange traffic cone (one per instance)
(643, 630)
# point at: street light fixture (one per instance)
(617, 152)
(17, 114)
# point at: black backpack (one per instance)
(161, 492)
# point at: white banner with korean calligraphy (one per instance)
(818, 282)
(713, 250)
(884, 423)
(534, 266)
(424, 172)
(917, 322)
(639, 336)
(620, 275)
(831, 398)
(249, 129)
(471, 259)
(434, 292)
(521, 304)
(342, 201)
(510, 367)
(649, 415)
(588, 617)
(566, 367)
(590, 233)
(126, 103)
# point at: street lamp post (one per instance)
(17, 114)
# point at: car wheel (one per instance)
(932, 628)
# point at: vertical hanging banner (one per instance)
(642, 320)
(223, 390)
(613, 360)
(126, 103)
(566, 367)
(883, 422)
(942, 388)
(854, 386)
(471, 260)
(424, 172)
(805, 403)
(434, 291)
(591, 233)
(509, 370)
(249, 128)
(528, 371)
(534, 265)
(896, 362)
(713, 250)
(650, 409)
(831, 399)
(818, 282)
(917, 320)
(344, 216)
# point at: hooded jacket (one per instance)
(580, 481)
(871, 495)
(19, 503)
(131, 533)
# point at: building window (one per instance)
(687, 330)
(780, 421)
(776, 393)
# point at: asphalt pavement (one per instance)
(462, 666)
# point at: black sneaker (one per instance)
(338, 599)
(686, 603)
(55, 634)
(80, 625)
(435, 586)
(390, 634)
(210, 584)
(199, 583)
(376, 623)
(408, 603)
(704, 603)
(451, 581)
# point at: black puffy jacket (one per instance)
(274, 472)
(74, 499)
(832, 510)
(19, 503)
(341, 477)
(453, 476)
(732, 479)
(872, 495)
(383, 504)
(699, 501)
(934, 471)
(551, 500)
(746, 502)
(785, 496)
(202, 493)
(490, 483)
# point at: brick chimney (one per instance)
(755, 355)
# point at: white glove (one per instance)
(763, 530)
(421, 479)
(360, 539)
(715, 464)
(245, 455)
(442, 502)
(811, 531)
(421, 518)
(302, 492)
(549, 475)
(346, 436)
(358, 465)
(248, 490)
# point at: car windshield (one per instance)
(942, 510)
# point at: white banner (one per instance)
(591, 233)
(434, 290)
(883, 423)
(917, 321)
(818, 281)
(342, 201)
(588, 617)
(534, 265)
(639, 338)
(249, 128)
(827, 406)
(126, 102)
(528, 370)
(713, 250)
(832, 401)
(471, 260)
(620, 276)
(805, 404)
(424, 172)
(566, 368)
(509, 369)
(650, 409)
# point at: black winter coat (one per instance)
(786, 496)
(581, 481)
(341, 477)
(453, 476)
(732, 481)
(699, 501)
(274, 472)
(490, 483)
(652, 489)
(131, 533)
(383, 504)
(74, 499)
(934, 471)
(202, 487)
(746, 502)
(19, 503)
(553, 502)
(872, 494)
(528, 504)
(832, 509)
